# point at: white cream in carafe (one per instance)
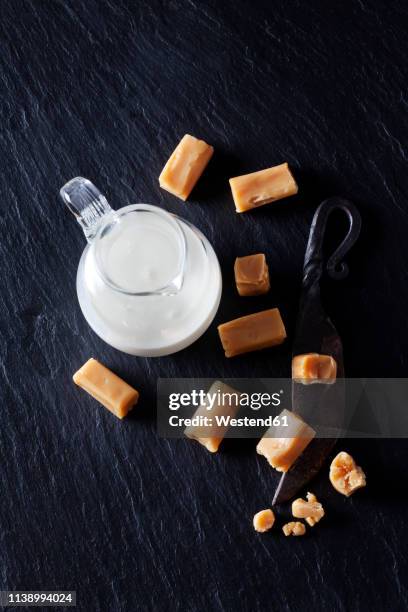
(149, 283)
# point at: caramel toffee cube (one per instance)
(262, 187)
(281, 445)
(314, 368)
(185, 166)
(107, 388)
(252, 333)
(252, 275)
(225, 404)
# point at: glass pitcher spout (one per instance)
(87, 204)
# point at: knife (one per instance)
(321, 404)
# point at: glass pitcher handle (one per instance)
(87, 204)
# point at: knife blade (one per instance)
(320, 405)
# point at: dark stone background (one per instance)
(105, 89)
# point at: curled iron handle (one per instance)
(335, 266)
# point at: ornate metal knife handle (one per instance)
(335, 267)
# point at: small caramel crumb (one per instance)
(311, 510)
(345, 475)
(294, 528)
(263, 520)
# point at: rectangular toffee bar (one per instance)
(107, 388)
(262, 187)
(281, 445)
(185, 166)
(212, 436)
(252, 332)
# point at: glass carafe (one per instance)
(148, 282)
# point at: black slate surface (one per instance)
(105, 90)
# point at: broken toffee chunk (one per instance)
(185, 166)
(345, 475)
(263, 520)
(311, 510)
(281, 445)
(252, 275)
(314, 368)
(227, 405)
(107, 388)
(262, 187)
(294, 528)
(252, 333)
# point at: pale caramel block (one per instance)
(107, 388)
(281, 445)
(185, 166)
(252, 333)
(263, 520)
(314, 368)
(226, 404)
(259, 188)
(252, 275)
